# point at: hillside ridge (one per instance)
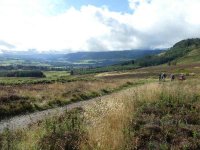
(183, 52)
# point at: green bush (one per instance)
(38, 74)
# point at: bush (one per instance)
(38, 74)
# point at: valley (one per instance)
(122, 106)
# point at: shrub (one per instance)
(38, 74)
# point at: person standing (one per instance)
(172, 77)
(160, 77)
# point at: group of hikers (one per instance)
(163, 76)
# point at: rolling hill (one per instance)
(79, 59)
(108, 57)
(183, 52)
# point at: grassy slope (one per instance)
(191, 57)
(185, 51)
(21, 99)
(170, 120)
(153, 116)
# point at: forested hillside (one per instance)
(185, 51)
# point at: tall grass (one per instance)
(151, 116)
(112, 122)
(19, 99)
(56, 132)
(108, 120)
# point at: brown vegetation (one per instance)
(152, 116)
(28, 98)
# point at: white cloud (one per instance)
(167, 21)
(134, 4)
(153, 24)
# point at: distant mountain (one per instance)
(185, 51)
(108, 57)
(79, 59)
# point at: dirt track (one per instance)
(24, 121)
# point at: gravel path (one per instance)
(23, 121)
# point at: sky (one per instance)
(96, 25)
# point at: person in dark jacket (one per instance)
(172, 77)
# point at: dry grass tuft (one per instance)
(113, 122)
(107, 120)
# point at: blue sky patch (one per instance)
(113, 5)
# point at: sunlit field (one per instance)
(151, 116)
(28, 97)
